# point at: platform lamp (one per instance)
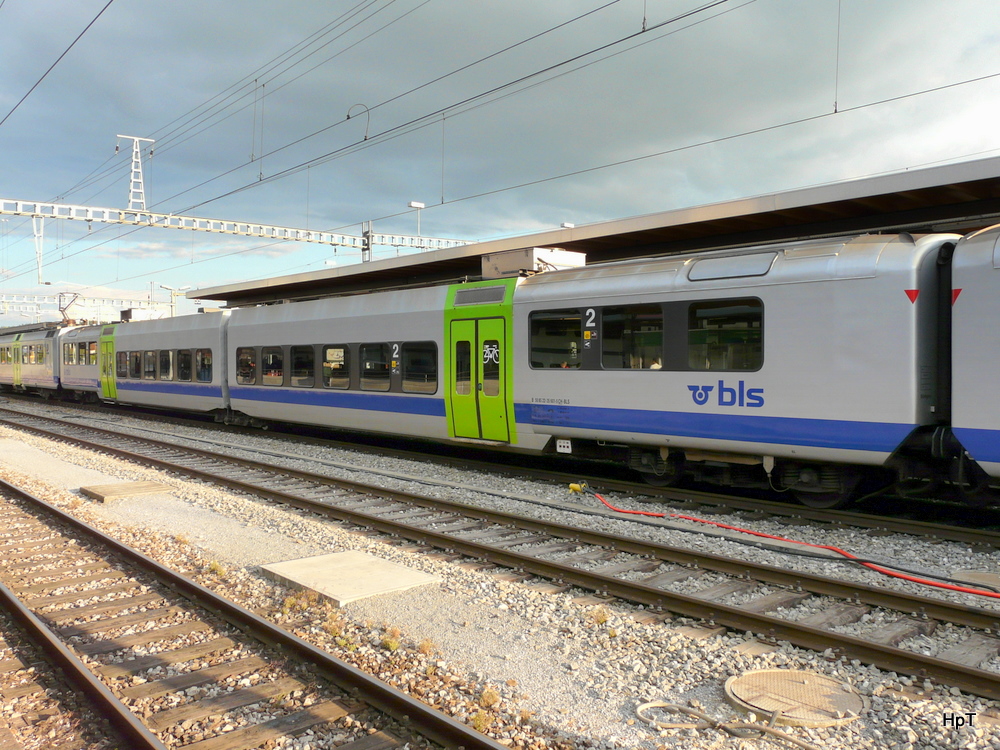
(417, 205)
(174, 294)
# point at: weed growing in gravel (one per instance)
(599, 615)
(300, 601)
(391, 640)
(426, 647)
(334, 624)
(217, 569)
(181, 539)
(489, 698)
(481, 721)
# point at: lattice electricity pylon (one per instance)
(136, 192)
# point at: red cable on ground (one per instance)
(872, 566)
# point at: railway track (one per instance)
(737, 594)
(169, 663)
(978, 528)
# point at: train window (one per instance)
(31, 354)
(420, 367)
(463, 368)
(166, 364)
(134, 364)
(556, 339)
(82, 349)
(149, 365)
(121, 366)
(726, 335)
(336, 367)
(303, 366)
(375, 367)
(491, 367)
(184, 365)
(42, 355)
(246, 365)
(632, 337)
(91, 353)
(69, 354)
(203, 365)
(272, 365)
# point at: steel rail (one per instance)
(109, 707)
(972, 680)
(416, 715)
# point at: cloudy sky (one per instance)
(502, 117)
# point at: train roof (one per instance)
(958, 197)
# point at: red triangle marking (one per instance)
(954, 295)
(913, 294)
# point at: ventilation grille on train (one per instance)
(482, 295)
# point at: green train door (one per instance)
(479, 387)
(17, 363)
(109, 389)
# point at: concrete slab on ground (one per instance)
(105, 492)
(347, 576)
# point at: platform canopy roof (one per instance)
(955, 197)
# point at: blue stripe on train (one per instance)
(982, 445)
(395, 403)
(821, 433)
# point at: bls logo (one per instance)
(739, 396)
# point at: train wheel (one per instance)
(824, 500)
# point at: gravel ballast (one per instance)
(516, 655)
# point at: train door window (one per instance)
(40, 357)
(69, 354)
(726, 335)
(303, 366)
(336, 367)
(82, 352)
(166, 364)
(463, 368)
(203, 365)
(149, 365)
(91, 353)
(246, 365)
(491, 367)
(556, 339)
(419, 363)
(184, 365)
(121, 364)
(375, 367)
(632, 337)
(134, 364)
(272, 365)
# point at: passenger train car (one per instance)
(829, 368)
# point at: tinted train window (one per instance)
(166, 365)
(92, 353)
(463, 368)
(121, 364)
(82, 349)
(336, 367)
(556, 339)
(69, 354)
(726, 335)
(420, 367)
(303, 361)
(134, 364)
(203, 365)
(375, 367)
(491, 367)
(246, 365)
(184, 365)
(632, 337)
(149, 365)
(272, 365)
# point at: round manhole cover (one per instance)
(802, 699)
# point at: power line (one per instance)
(65, 52)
